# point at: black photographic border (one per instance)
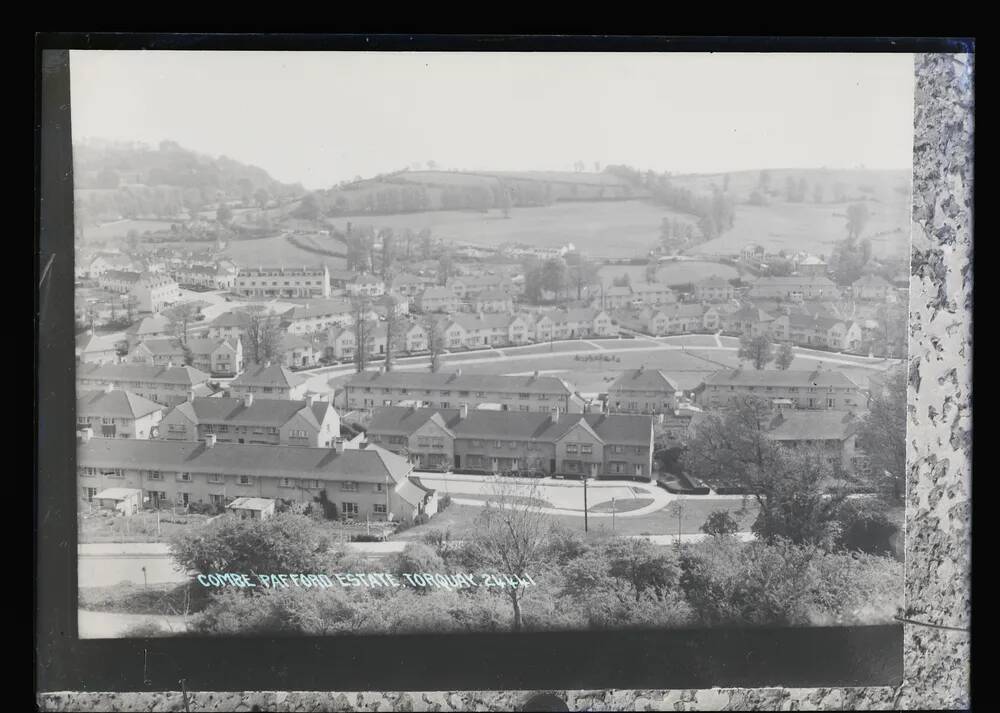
(698, 658)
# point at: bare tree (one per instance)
(262, 335)
(180, 316)
(435, 341)
(360, 308)
(510, 536)
(390, 329)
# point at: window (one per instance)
(286, 483)
(571, 448)
(246, 480)
(617, 449)
(379, 487)
(91, 492)
(349, 508)
(524, 396)
(586, 449)
(88, 471)
(379, 509)
(183, 498)
(498, 444)
(477, 444)
(107, 421)
(184, 477)
(155, 475)
(349, 486)
(296, 433)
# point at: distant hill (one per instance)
(415, 191)
(115, 181)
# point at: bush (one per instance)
(421, 519)
(365, 538)
(144, 630)
(720, 522)
(444, 503)
(865, 526)
(202, 508)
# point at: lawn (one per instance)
(278, 251)
(459, 520)
(812, 228)
(613, 229)
(671, 273)
(626, 505)
(515, 499)
(574, 346)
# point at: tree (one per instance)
(426, 244)
(360, 309)
(758, 350)
(882, 436)
(417, 557)
(720, 522)
(388, 253)
(785, 356)
(797, 489)
(764, 181)
(309, 208)
(643, 566)
(554, 276)
(180, 316)
(651, 270)
(224, 214)
(435, 341)
(865, 526)
(510, 537)
(262, 335)
(857, 219)
(446, 268)
(261, 196)
(581, 273)
(282, 543)
(390, 329)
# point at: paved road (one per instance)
(318, 379)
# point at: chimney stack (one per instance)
(190, 395)
(338, 445)
(247, 400)
(86, 434)
(209, 440)
(108, 388)
(555, 414)
(463, 411)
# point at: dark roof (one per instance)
(264, 412)
(264, 375)
(317, 308)
(168, 346)
(233, 318)
(403, 420)
(371, 463)
(116, 403)
(778, 377)
(186, 375)
(458, 382)
(643, 380)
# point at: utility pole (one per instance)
(612, 514)
(585, 523)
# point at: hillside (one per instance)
(116, 181)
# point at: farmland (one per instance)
(619, 229)
(671, 273)
(279, 251)
(812, 228)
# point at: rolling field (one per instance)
(672, 273)
(810, 227)
(120, 228)
(607, 229)
(277, 251)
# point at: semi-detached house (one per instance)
(363, 483)
(575, 445)
(167, 385)
(816, 389)
(309, 423)
(113, 413)
(524, 394)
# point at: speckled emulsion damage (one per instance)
(938, 512)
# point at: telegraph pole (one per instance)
(585, 523)
(612, 514)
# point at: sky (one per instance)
(319, 118)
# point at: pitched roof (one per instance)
(317, 308)
(155, 324)
(404, 420)
(233, 318)
(207, 345)
(262, 412)
(437, 293)
(90, 343)
(644, 380)
(871, 281)
(779, 377)
(371, 463)
(571, 316)
(459, 382)
(264, 375)
(116, 403)
(185, 375)
(811, 425)
(411, 492)
(168, 346)
(817, 280)
(487, 320)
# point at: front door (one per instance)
(458, 461)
